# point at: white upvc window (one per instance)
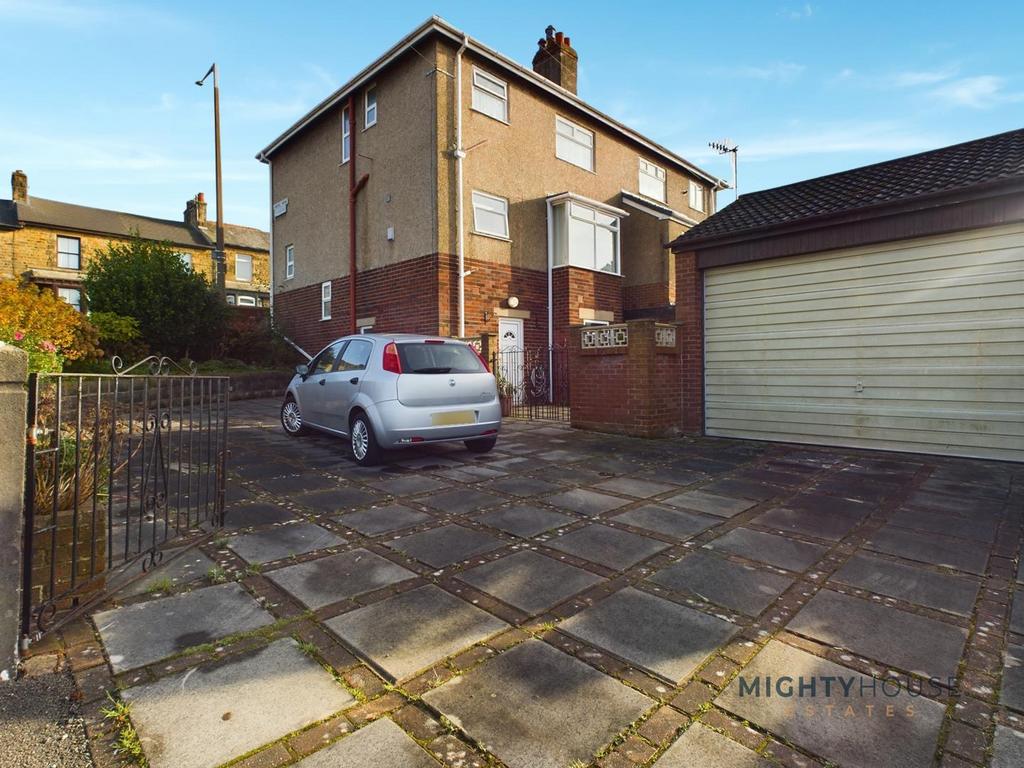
(289, 262)
(696, 196)
(69, 252)
(652, 181)
(370, 118)
(230, 298)
(72, 296)
(490, 214)
(325, 300)
(186, 260)
(243, 268)
(574, 144)
(346, 135)
(247, 301)
(490, 95)
(585, 237)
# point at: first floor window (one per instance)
(490, 95)
(696, 195)
(490, 214)
(69, 252)
(325, 300)
(652, 181)
(243, 268)
(72, 296)
(247, 301)
(574, 144)
(186, 260)
(371, 107)
(346, 135)
(289, 262)
(586, 237)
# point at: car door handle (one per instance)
(354, 380)
(322, 382)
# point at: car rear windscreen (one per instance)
(419, 357)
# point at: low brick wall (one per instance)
(248, 386)
(626, 379)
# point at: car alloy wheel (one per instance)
(360, 439)
(291, 417)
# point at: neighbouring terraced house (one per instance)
(469, 194)
(50, 243)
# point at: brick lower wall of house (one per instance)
(690, 337)
(575, 289)
(647, 296)
(633, 389)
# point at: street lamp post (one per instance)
(218, 253)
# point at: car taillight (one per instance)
(480, 358)
(391, 362)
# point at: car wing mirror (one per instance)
(302, 370)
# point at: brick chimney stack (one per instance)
(556, 60)
(19, 187)
(195, 211)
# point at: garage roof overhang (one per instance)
(983, 205)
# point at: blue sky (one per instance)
(99, 105)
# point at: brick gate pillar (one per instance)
(690, 317)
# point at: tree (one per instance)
(45, 326)
(177, 313)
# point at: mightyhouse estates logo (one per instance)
(847, 696)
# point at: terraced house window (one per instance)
(243, 268)
(696, 196)
(69, 252)
(490, 95)
(652, 181)
(289, 262)
(186, 260)
(346, 136)
(586, 237)
(371, 106)
(574, 144)
(325, 300)
(247, 301)
(72, 296)
(490, 214)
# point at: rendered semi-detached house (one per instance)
(445, 157)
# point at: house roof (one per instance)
(81, 218)
(959, 167)
(436, 25)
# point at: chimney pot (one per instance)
(567, 43)
(195, 211)
(19, 187)
(559, 37)
(556, 60)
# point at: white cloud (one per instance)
(776, 72)
(898, 79)
(803, 12)
(980, 92)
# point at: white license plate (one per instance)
(451, 418)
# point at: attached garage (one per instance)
(897, 325)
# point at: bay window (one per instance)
(585, 236)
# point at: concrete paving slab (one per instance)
(977, 528)
(606, 546)
(288, 485)
(529, 581)
(733, 585)
(283, 541)
(523, 486)
(525, 520)
(699, 746)
(663, 637)
(586, 502)
(139, 634)
(632, 486)
(211, 714)
(769, 548)
(536, 707)
(461, 501)
(411, 631)
(1007, 748)
(381, 744)
(326, 580)
(831, 526)
(854, 730)
(390, 517)
(408, 485)
(338, 499)
(1017, 613)
(742, 488)
(880, 632)
(672, 522)
(443, 546)
(942, 591)
(1012, 691)
(184, 568)
(256, 513)
(821, 503)
(710, 503)
(962, 554)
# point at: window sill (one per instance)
(490, 117)
(580, 167)
(652, 199)
(588, 269)
(323, 319)
(502, 238)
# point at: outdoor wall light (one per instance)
(512, 301)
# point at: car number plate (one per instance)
(452, 417)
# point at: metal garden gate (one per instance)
(117, 466)
(533, 382)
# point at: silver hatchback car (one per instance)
(395, 390)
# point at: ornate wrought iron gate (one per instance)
(117, 466)
(533, 382)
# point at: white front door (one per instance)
(511, 353)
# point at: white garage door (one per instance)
(911, 346)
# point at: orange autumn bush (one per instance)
(45, 326)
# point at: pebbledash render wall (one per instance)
(409, 283)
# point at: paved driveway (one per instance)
(574, 599)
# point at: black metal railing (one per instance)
(533, 382)
(118, 465)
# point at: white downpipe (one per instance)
(459, 155)
(551, 309)
(270, 177)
